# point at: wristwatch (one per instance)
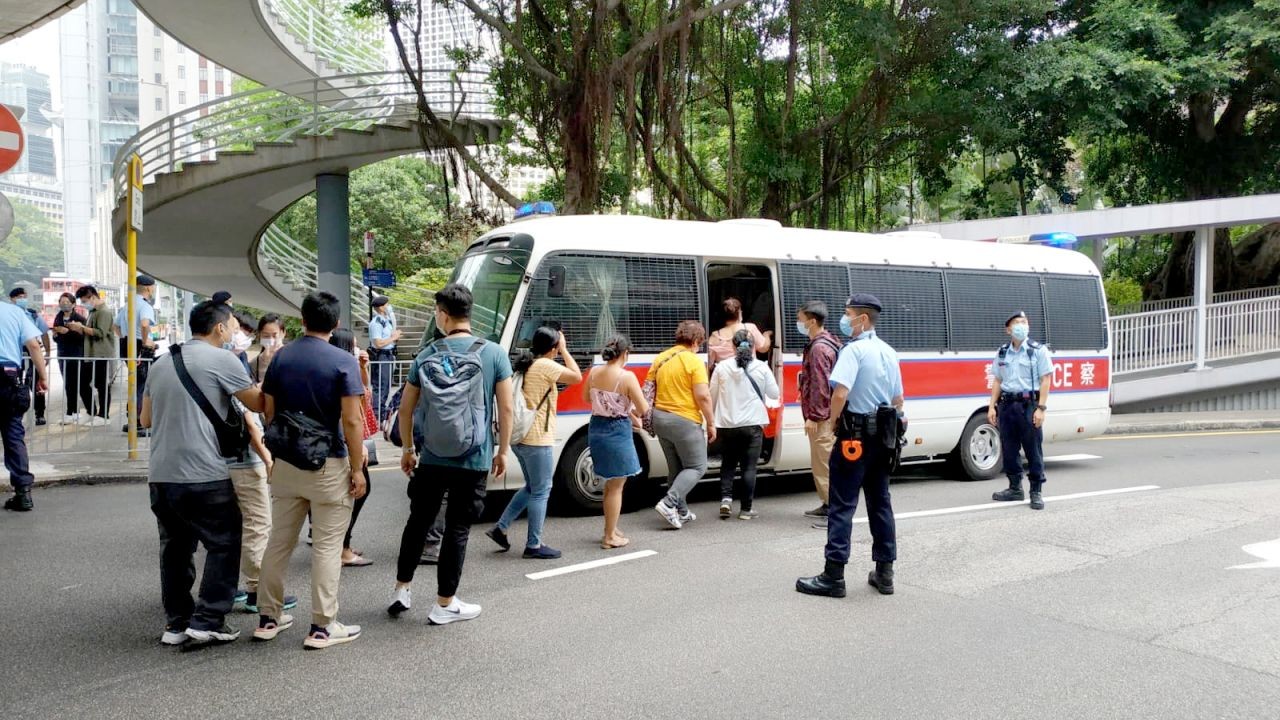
(1042, 407)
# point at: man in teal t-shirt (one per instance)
(464, 478)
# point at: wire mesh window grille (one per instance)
(979, 303)
(802, 282)
(1076, 319)
(914, 315)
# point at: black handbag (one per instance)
(233, 436)
(299, 440)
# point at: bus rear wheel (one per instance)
(978, 457)
(577, 486)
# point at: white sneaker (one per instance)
(270, 629)
(687, 516)
(668, 513)
(173, 637)
(224, 634)
(456, 611)
(335, 633)
(96, 422)
(400, 601)
(70, 419)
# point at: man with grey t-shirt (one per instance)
(191, 491)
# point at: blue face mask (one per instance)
(846, 326)
(802, 329)
(1020, 332)
(22, 303)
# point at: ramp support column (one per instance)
(333, 241)
(1203, 291)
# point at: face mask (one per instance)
(65, 307)
(846, 325)
(21, 302)
(269, 342)
(1020, 332)
(802, 328)
(241, 341)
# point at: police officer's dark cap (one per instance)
(146, 280)
(381, 300)
(1015, 316)
(220, 297)
(863, 300)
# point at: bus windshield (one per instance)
(493, 277)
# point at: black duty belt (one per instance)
(1020, 397)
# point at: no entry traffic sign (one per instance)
(11, 140)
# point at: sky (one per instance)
(40, 49)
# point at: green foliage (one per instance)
(33, 249)
(1122, 293)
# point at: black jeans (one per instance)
(427, 487)
(76, 383)
(186, 514)
(380, 369)
(100, 377)
(13, 405)
(145, 355)
(355, 509)
(871, 474)
(740, 451)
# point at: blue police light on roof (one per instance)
(1055, 239)
(542, 207)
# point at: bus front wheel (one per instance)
(977, 457)
(576, 483)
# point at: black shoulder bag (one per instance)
(233, 436)
(299, 440)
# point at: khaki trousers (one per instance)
(326, 494)
(255, 507)
(822, 438)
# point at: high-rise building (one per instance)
(27, 88)
(173, 78)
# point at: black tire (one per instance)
(576, 486)
(977, 456)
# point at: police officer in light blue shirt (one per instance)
(17, 332)
(383, 335)
(1020, 379)
(144, 317)
(867, 384)
(18, 296)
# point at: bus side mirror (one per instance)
(557, 276)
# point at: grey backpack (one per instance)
(452, 406)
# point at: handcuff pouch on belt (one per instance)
(886, 426)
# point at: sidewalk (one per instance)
(98, 469)
(1139, 423)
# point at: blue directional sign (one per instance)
(380, 278)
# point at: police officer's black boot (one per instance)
(20, 502)
(1013, 494)
(830, 583)
(1037, 500)
(882, 578)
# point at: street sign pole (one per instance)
(133, 201)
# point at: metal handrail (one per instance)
(1181, 302)
(329, 37)
(1161, 339)
(284, 113)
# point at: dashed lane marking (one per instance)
(1205, 433)
(997, 505)
(1072, 458)
(590, 565)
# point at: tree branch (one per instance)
(504, 30)
(442, 129)
(653, 37)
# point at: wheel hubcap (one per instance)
(984, 447)
(584, 475)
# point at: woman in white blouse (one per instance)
(741, 391)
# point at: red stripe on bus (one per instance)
(922, 379)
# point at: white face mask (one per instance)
(270, 342)
(240, 341)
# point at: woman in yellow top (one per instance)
(535, 451)
(681, 409)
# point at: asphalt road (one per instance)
(1116, 605)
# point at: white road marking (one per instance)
(1198, 433)
(1269, 552)
(1072, 458)
(995, 505)
(590, 565)
(70, 587)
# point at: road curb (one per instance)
(1146, 428)
(83, 479)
